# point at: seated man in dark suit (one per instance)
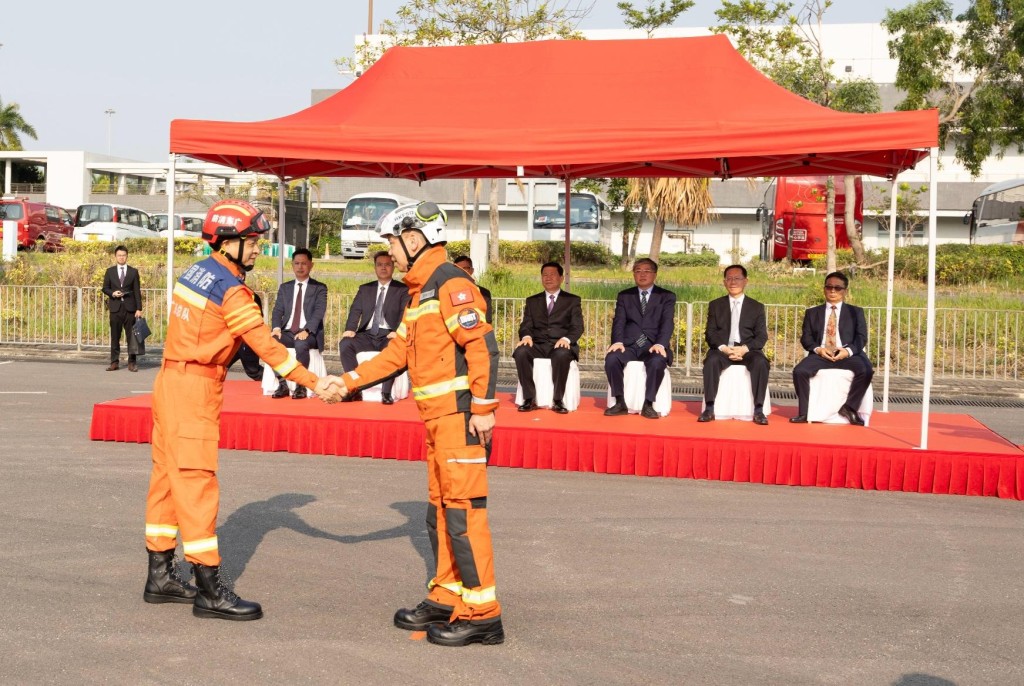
(642, 327)
(376, 312)
(736, 333)
(466, 264)
(298, 316)
(551, 327)
(835, 335)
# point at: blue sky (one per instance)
(189, 60)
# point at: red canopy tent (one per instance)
(566, 109)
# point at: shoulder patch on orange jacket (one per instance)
(463, 297)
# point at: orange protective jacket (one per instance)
(211, 309)
(443, 340)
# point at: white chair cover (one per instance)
(546, 387)
(634, 387)
(829, 388)
(734, 399)
(400, 389)
(316, 365)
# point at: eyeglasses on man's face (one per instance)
(834, 287)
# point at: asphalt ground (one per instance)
(603, 579)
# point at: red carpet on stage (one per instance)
(964, 458)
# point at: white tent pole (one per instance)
(888, 297)
(281, 190)
(929, 350)
(568, 225)
(170, 233)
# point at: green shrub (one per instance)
(704, 258)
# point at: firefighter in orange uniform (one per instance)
(452, 358)
(212, 312)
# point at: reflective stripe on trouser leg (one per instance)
(458, 488)
(185, 438)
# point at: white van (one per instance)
(105, 222)
(359, 223)
(189, 225)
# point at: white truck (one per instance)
(359, 222)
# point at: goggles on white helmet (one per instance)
(425, 217)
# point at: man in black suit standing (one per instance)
(642, 327)
(124, 300)
(298, 316)
(551, 327)
(834, 335)
(736, 333)
(466, 264)
(376, 312)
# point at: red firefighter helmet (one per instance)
(233, 219)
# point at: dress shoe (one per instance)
(113, 367)
(558, 407)
(132, 367)
(299, 393)
(528, 405)
(759, 418)
(799, 419)
(850, 415)
(386, 399)
(282, 390)
(616, 410)
(462, 632)
(422, 616)
(649, 412)
(353, 397)
(708, 415)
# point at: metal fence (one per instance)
(970, 343)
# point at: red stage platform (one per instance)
(966, 457)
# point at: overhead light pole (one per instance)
(110, 117)
(369, 19)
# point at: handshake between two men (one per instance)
(330, 389)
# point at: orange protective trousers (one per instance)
(457, 519)
(184, 495)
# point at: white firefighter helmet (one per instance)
(426, 217)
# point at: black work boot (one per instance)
(422, 616)
(164, 584)
(218, 601)
(462, 632)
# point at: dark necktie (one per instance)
(640, 342)
(551, 302)
(297, 313)
(120, 275)
(378, 312)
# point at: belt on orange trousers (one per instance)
(211, 371)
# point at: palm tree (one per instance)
(12, 124)
(685, 201)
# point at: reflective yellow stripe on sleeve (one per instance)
(459, 383)
(161, 530)
(287, 366)
(203, 545)
(243, 318)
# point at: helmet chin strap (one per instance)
(411, 259)
(238, 260)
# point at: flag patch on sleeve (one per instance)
(463, 297)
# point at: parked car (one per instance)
(41, 226)
(108, 222)
(190, 225)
